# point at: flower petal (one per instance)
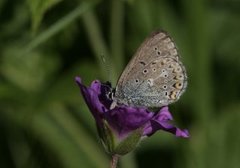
(90, 95)
(161, 122)
(157, 125)
(125, 119)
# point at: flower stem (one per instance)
(114, 161)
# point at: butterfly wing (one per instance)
(154, 77)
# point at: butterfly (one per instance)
(155, 76)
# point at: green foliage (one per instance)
(44, 44)
(129, 144)
(34, 70)
(38, 8)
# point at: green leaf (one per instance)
(58, 26)
(80, 136)
(129, 143)
(29, 72)
(38, 8)
(217, 144)
(107, 137)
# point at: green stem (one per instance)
(129, 161)
(197, 15)
(117, 34)
(97, 42)
(58, 26)
(114, 161)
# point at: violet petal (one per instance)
(90, 95)
(125, 119)
(161, 122)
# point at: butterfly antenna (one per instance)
(107, 68)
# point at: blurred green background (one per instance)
(44, 44)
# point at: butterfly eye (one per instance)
(158, 53)
(136, 80)
(110, 95)
(156, 48)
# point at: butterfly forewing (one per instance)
(154, 76)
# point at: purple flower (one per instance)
(122, 127)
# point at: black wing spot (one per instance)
(143, 63)
(145, 71)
